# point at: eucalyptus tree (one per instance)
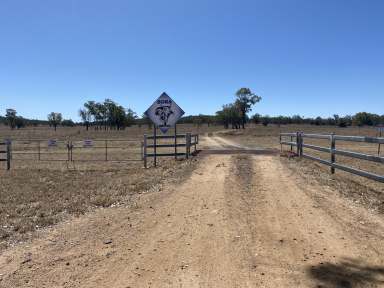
(245, 100)
(11, 118)
(54, 119)
(86, 117)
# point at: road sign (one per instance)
(164, 112)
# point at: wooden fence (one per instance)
(5, 149)
(297, 140)
(155, 142)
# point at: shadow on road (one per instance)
(348, 273)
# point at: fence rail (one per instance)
(299, 138)
(7, 152)
(190, 140)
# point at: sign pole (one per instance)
(154, 144)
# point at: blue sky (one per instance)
(307, 57)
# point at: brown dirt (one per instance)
(237, 221)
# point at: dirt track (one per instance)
(238, 221)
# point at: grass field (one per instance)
(36, 194)
(268, 137)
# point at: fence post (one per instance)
(145, 151)
(333, 147)
(281, 145)
(106, 150)
(175, 143)
(38, 150)
(291, 144)
(68, 152)
(154, 145)
(297, 143)
(71, 150)
(187, 145)
(142, 150)
(8, 155)
(301, 144)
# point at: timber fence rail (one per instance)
(5, 150)
(156, 142)
(296, 142)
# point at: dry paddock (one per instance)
(37, 194)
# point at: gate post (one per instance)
(297, 143)
(145, 151)
(301, 143)
(154, 145)
(333, 147)
(187, 145)
(8, 155)
(175, 143)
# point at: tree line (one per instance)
(106, 115)
(109, 115)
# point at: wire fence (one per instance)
(120, 150)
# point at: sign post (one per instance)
(164, 113)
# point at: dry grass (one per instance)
(36, 194)
(35, 198)
(268, 137)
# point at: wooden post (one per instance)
(8, 155)
(301, 143)
(281, 145)
(175, 143)
(106, 150)
(68, 152)
(297, 143)
(187, 144)
(71, 146)
(154, 145)
(195, 142)
(333, 147)
(38, 150)
(145, 151)
(291, 144)
(378, 149)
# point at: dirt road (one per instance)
(238, 221)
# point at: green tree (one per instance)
(54, 119)
(10, 115)
(130, 117)
(245, 100)
(86, 117)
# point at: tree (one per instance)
(54, 119)
(245, 100)
(86, 117)
(68, 123)
(130, 117)
(10, 115)
(20, 122)
(256, 118)
(145, 120)
(265, 120)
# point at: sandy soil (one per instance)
(238, 221)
